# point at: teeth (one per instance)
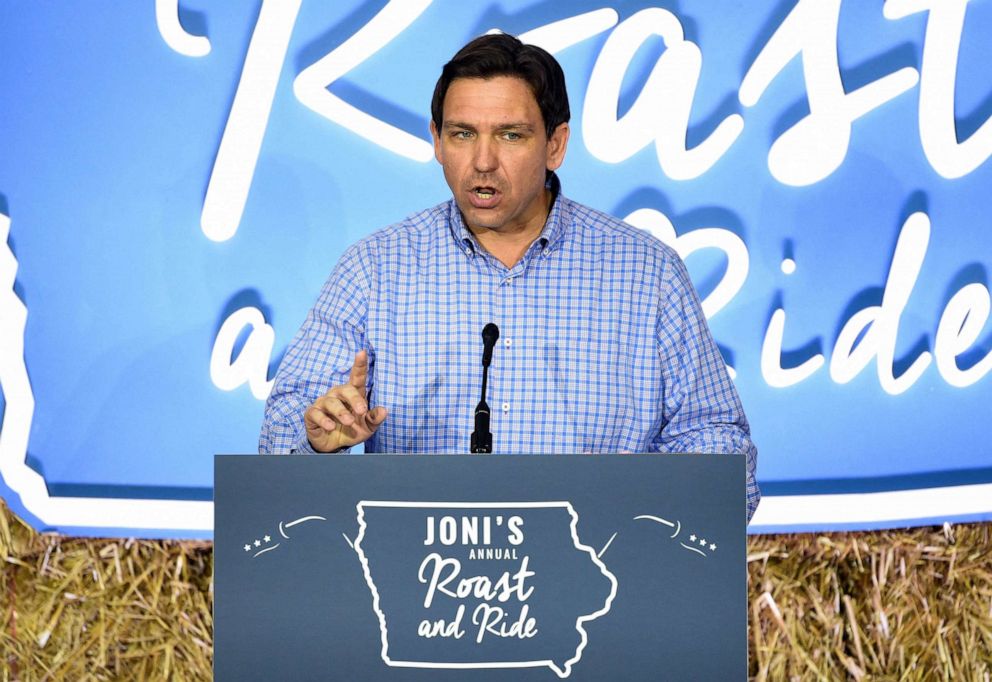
(483, 194)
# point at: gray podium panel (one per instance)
(480, 567)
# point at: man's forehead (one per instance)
(504, 91)
(495, 101)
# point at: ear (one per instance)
(557, 144)
(436, 136)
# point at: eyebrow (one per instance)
(523, 127)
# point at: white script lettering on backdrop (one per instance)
(820, 164)
(806, 153)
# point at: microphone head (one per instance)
(490, 333)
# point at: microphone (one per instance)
(482, 439)
(490, 334)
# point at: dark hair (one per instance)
(500, 54)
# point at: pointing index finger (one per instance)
(360, 371)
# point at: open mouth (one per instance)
(483, 196)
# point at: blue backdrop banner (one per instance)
(178, 177)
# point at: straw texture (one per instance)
(894, 605)
(83, 609)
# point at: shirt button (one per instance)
(506, 407)
(509, 280)
(507, 343)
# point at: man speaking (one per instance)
(602, 344)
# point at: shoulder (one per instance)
(623, 239)
(384, 250)
(417, 227)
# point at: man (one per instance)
(603, 346)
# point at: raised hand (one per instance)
(341, 417)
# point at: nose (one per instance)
(485, 158)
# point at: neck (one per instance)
(509, 245)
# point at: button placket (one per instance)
(508, 298)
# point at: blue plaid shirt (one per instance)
(603, 346)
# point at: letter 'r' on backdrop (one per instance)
(177, 179)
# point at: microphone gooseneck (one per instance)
(482, 439)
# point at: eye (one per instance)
(512, 136)
(462, 135)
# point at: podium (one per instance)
(480, 567)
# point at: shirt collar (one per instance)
(557, 222)
(554, 226)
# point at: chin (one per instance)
(486, 221)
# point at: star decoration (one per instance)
(713, 545)
(692, 538)
(702, 542)
(267, 538)
(247, 548)
(258, 543)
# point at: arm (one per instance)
(321, 362)
(702, 412)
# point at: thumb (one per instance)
(376, 417)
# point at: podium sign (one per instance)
(481, 567)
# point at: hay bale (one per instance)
(912, 604)
(74, 609)
(902, 605)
